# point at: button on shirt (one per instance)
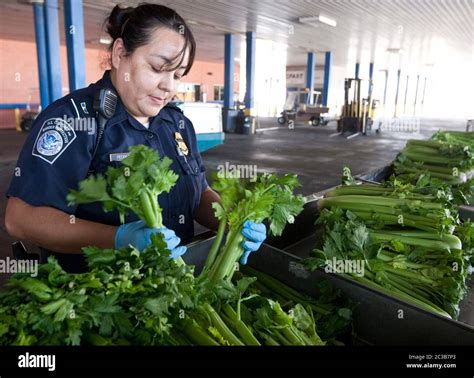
(57, 155)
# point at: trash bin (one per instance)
(244, 123)
(239, 122)
(247, 127)
(229, 120)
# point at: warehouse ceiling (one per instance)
(365, 29)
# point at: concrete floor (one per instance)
(313, 155)
(304, 150)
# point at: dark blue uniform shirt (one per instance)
(57, 155)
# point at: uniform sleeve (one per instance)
(54, 158)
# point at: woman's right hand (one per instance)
(138, 234)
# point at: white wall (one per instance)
(270, 77)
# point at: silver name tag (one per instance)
(118, 156)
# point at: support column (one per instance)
(424, 89)
(228, 114)
(53, 50)
(385, 88)
(357, 68)
(371, 77)
(416, 93)
(396, 93)
(406, 95)
(74, 24)
(310, 66)
(250, 72)
(229, 51)
(41, 53)
(327, 77)
(423, 96)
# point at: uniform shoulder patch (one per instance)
(54, 137)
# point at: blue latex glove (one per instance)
(138, 234)
(255, 233)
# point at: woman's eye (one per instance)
(176, 77)
(157, 70)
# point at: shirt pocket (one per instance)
(192, 176)
(189, 165)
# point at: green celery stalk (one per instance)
(452, 240)
(438, 245)
(402, 295)
(269, 340)
(211, 256)
(224, 266)
(244, 332)
(197, 335)
(283, 290)
(393, 220)
(220, 325)
(375, 200)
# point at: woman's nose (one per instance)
(167, 82)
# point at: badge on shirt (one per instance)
(53, 139)
(180, 141)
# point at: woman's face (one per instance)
(141, 79)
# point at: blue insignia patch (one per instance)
(54, 137)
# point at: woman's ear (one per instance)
(118, 52)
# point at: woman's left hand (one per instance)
(255, 233)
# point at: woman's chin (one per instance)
(153, 110)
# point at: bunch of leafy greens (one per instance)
(451, 163)
(125, 298)
(382, 206)
(131, 297)
(331, 310)
(403, 235)
(134, 187)
(267, 197)
(446, 160)
(455, 138)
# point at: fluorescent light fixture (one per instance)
(192, 22)
(327, 20)
(320, 18)
(395, 50)
(220, 29)
(105, 41)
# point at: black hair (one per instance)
(135, 25)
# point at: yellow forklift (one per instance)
(357, 114)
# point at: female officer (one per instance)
(152, 50)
